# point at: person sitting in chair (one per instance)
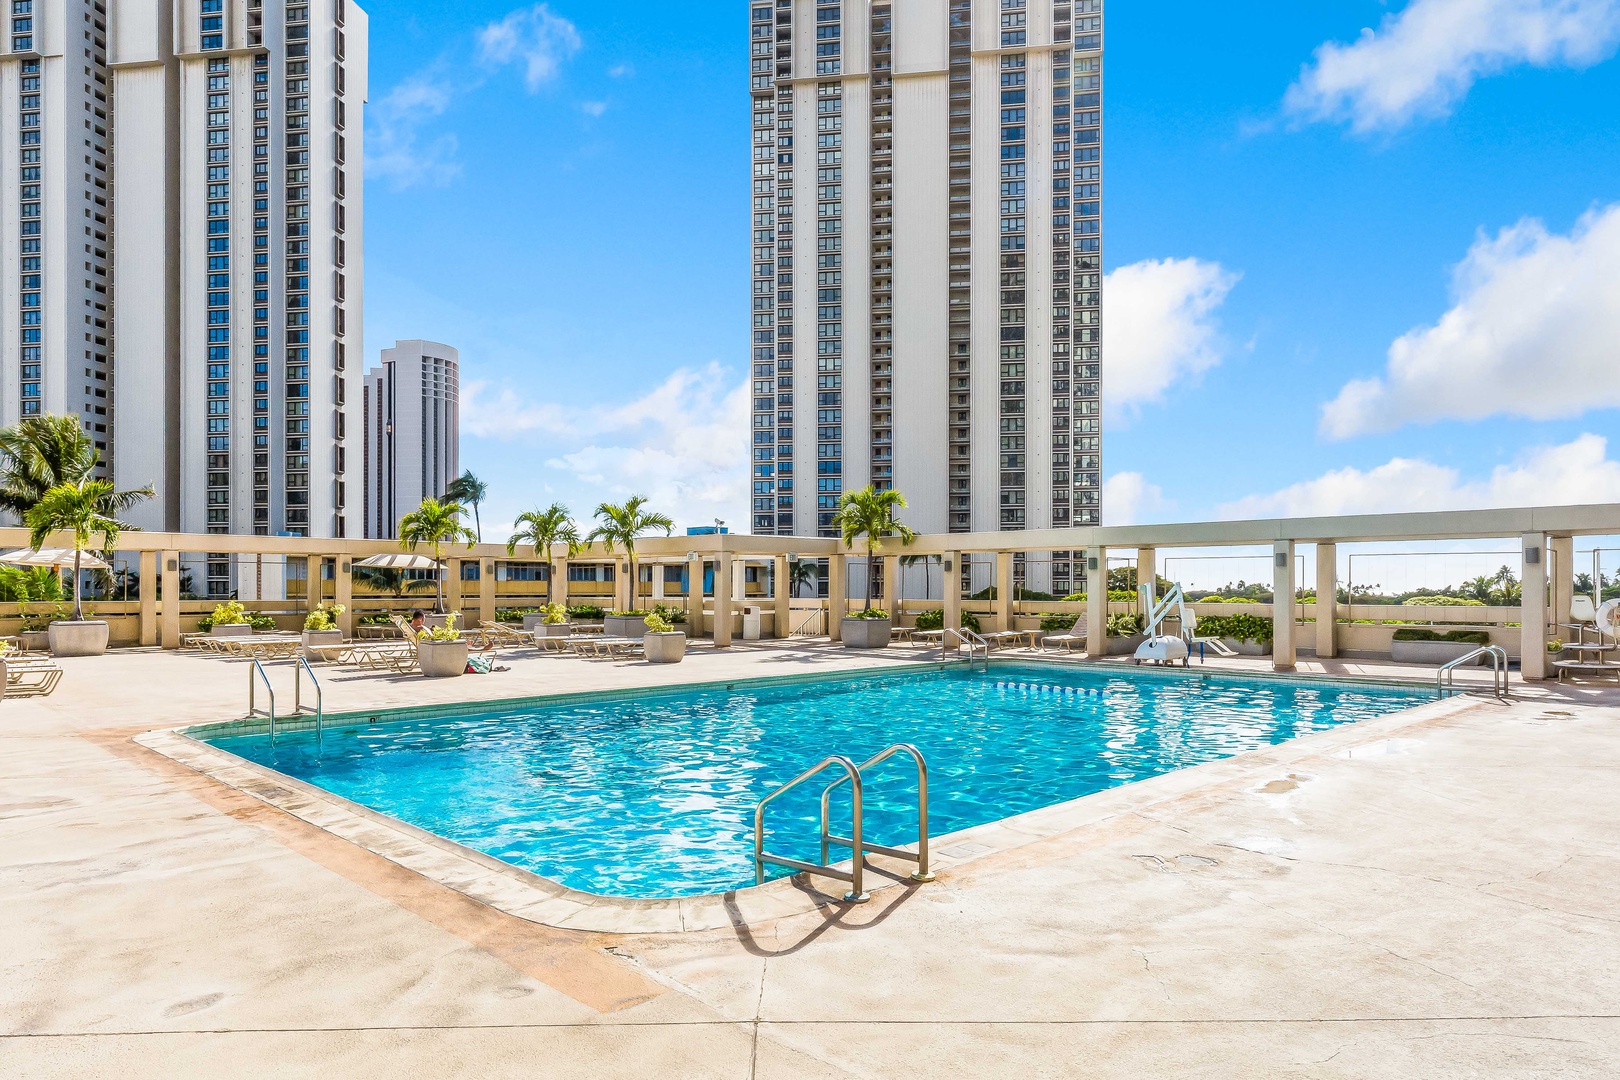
(418, 622)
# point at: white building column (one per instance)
(1147, 573)
(694, 596)
(952, 587)
(724, 587)
(781, 597)
(1327, 601)
(1004, 590)
(1533, 611)
(837, 595)
(1096, 602)
(1283, 607)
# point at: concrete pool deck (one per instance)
(1430, 898)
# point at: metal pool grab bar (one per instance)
(920, 856)
(253, 709)
(298, 693)
(1444, 679)
(856, 894)
(973, 642)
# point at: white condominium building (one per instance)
(927, 260)
(56, 215)
(412, 407)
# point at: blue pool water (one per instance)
(653, 796)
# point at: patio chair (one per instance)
(30, 678)
(1076, 635)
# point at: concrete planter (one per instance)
(664, 648)
(238, 629)
(432, 621)
(541, 630)
(86, 638)
(442, 659)
(626, 626)
(1432, 653)
(34, 640)
(1123, 646)
(866, 633)
(533, 622)
(321, 639)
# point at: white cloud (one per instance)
(1576, 472)
(393, 148)
(593, 108)
(621, 71)
(684, 444)
(535, 37)
(1534, 332)
(1161, 326)
(1128, 499)
(1423, 60)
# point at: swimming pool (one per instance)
(653, 795)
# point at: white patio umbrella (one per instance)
(398, 562)
(61, 558)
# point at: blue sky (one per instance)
(1292, 206)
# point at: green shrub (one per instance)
(871, 613)
(585, 611)
(676, 615)
(1115, 596)
(1126, 625)
(1443, 601)
(1241, 627)
(1056, 624)
(658, 624)
(1456, 637)
(935, 620)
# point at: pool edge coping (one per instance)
(526, 895)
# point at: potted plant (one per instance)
(869, 513)
(436, 524)
(5, 647)
(549, 621)
(321, 630)
(1246, 635)
(82, 509)
(625, 624)
(868, 629)
(442, 651)
(230, 619)
(621, 526)
(1415, 645)
(663, 643)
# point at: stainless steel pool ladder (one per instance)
(856, 894)
(974, 643)
(920, 856)
(1444, 679)
(253, 708)
(298, 693)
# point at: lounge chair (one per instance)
(30, 678)
(1076, 635)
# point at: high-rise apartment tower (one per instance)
(927, 260)
(412, 405)
(201, 161)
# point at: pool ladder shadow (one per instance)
(852, 775)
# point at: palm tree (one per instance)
(801, 575)
(926, 561)
(870, 513)
(620, 525)
(389, 579)
(465, 489)
(39, 453)
(542, 529)
(436, 524)
(84, 509)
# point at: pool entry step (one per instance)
(851, 774)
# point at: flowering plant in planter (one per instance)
(554, 614)
(324, 617)
(446, 631)
(658, 623)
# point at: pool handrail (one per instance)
(1445, 678)
(253, 708)
(973, 642)
(856, 894)
(920, 856)
(298, 693)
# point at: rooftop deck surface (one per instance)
(1425, 895)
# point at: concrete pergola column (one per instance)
(781, 597)
(891, 576)
(1533, 610)
(623, 594)
(952, 592)
(1562, 571)
(148, 598)
(1004, 590)
(171, 600)
(723, 586)
(1284, 651)
(557, 586)
(1096, 602)
(1147, 573)
(343, 577)
(486, 590)
(1327, 601)
(837, 595)
(658, 583)
(694, 596)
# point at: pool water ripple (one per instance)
(654, 796)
